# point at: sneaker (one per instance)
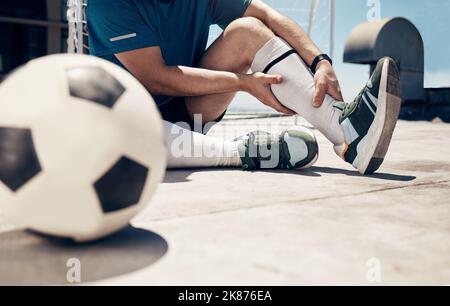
(370, 120)
(295, 148)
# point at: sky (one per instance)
(432, 18)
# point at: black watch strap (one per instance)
(317, 60)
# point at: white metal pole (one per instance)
(71, 25)
(312, 16)
(332, 20)
(79, 25)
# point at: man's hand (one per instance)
(326, 83)
(259, 86)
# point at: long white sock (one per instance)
(297, 90)
(188, 149)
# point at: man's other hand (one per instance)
(326, 83)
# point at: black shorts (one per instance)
(175, 111)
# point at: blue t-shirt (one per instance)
(179, 27)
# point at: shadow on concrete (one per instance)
(427, 166)
(32, 259)
(380, 176)
(182, 176)
(179, 176)
(301, 172)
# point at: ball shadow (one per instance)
(27, 258)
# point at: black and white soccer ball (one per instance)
(82, 149)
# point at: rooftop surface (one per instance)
(325, 225)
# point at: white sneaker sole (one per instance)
(374, 146)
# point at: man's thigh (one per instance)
(211, 108)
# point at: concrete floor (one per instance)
(327, 225)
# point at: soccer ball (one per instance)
(81, 147)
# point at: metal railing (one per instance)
(33, 22)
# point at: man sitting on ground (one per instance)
(163, 44)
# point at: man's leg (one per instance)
(187, 149)
(256, 150)
(249, 43)
(361, 131)
(233, 51)
(298, 88)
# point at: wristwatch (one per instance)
(317, 60)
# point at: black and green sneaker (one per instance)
(295, 148)
(369, 121)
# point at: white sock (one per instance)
(188, 149)
(297, 90)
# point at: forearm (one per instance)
(290, 31)
(187, 81)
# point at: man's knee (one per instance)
(251, 32)
(249, 26)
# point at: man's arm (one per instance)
(148, 66)
(325, 78)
